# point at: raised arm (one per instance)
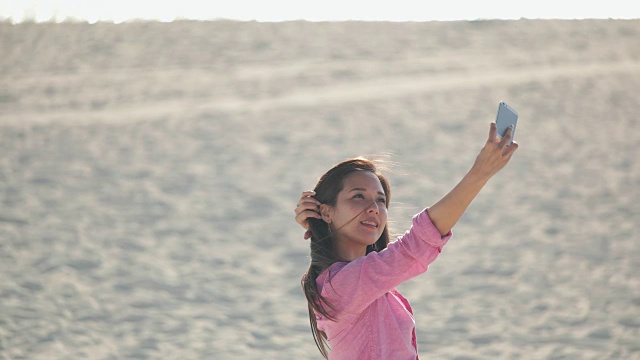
(491, 159)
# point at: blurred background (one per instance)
(149, 171)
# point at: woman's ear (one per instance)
(325, 212)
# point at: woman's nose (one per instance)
(373, 207)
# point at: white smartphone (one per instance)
(506, 117)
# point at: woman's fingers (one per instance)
(492, 133)
(308, 196)
(500, 141)
(301, 217)
(308, 202)
(510, 149)
(308, 207)
(506, 139)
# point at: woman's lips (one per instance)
(369, 223)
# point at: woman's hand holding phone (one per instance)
(496, 152)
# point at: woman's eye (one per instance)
(382, 200)
(359, 196)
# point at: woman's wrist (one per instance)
(477, 176)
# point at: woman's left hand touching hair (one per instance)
(308, 207)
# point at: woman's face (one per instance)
(360, 213)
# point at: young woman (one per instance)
(354, 309)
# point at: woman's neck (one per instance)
(349, 250)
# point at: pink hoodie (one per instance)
(373, 320)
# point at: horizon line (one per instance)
(76, 20)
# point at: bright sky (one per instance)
(316, 10)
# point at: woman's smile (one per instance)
(370, 223)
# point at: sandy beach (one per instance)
(149, 172)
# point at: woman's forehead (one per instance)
(365, 180)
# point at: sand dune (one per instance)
(149, 172)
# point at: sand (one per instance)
(149, 172)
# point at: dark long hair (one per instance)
(322, 241)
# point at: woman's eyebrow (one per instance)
(363, 189)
